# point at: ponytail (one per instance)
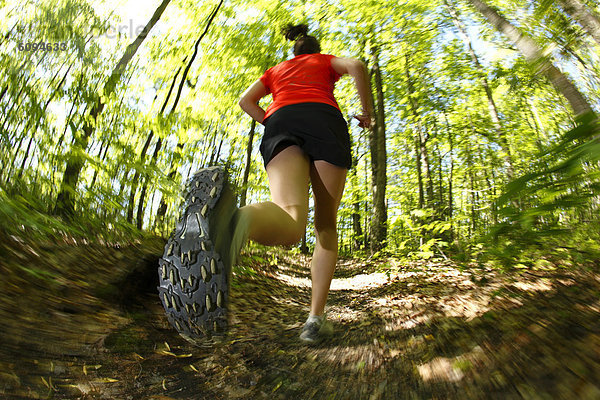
(293, 32)
(305, 44)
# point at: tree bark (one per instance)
(533, 54)
(378, 163)
(585, 17)
(65, 201)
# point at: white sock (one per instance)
(315, 318)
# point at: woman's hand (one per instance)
(364, 120)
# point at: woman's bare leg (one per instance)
(328, 182)
(281, 221)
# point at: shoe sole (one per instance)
(194, 282)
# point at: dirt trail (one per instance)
(424, 330)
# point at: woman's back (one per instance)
(303, 79)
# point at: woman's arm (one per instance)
(357, 70)
(250, 98)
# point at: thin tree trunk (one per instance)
(490, 185)
(142, 197)
(20, 174)
(419, 170)
(248, 165)
(357, 231)
(584, 16)
(440, 178)
(427, 168)
(7, 34)
(418, 136)
(3, 91)
(65, 201)
(303, 245)
(15, 104)
(212, 140)
(102, 156)
(533, 53)
(450, 178)
(378, 163)
(473, 202)
(162, 209)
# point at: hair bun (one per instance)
(293, 32)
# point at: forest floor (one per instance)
(422, 330)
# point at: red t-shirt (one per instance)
(305, 78)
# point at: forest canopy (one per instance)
(485, 140)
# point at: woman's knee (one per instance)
(297, 225)
(327, 236)
(294, 237)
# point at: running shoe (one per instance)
(315, 329)
(195, 269)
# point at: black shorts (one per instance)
(318, 128)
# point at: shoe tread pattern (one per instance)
(193, 281)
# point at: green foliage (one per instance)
(25, 216)
(556, 204)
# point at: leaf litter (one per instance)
(79, 329)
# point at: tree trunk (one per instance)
(136, 178)
(534, 54)
(585, 17)
(493, 110)
(378, 163)
(102, 156)
(142, 197)
(419, 171)
(418, 139)
(427, 168)
(451, 172)
(303, 245)
(248, 164)
(65, 201)
(162, 208)
(440, 177)
(357, 231)
(473, 203)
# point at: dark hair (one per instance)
(305, 44)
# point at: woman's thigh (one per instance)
(328, 182)
(288, 174)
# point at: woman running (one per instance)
(305, 141)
